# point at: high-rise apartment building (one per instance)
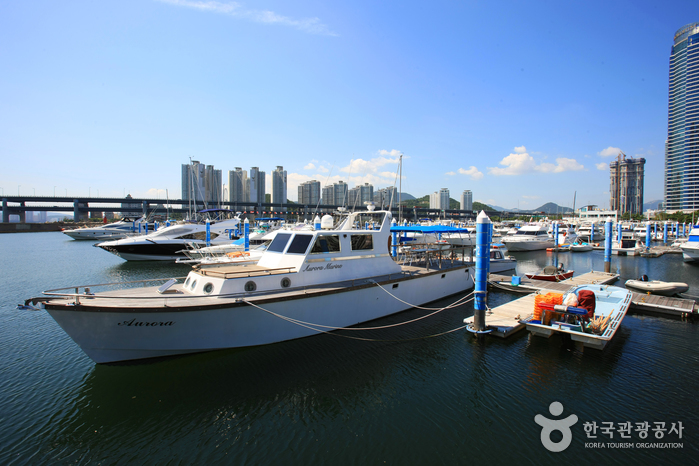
(361, 194)
(201, 184)
(682, 145)
(626, 184)
(309, 193)
(256, 186)
(466, 200)
(335, 194)
(385, 197)
(440, 200)
(279, 186)
(237, 186)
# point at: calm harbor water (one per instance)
(331, 400)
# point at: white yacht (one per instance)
(627, 245)
(126, 226)
(168, 244)
(531, 237)
(306, 283)
(690, 248)
(590, 232)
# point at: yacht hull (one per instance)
(176, 326)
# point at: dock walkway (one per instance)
(506, 319)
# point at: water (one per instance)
(332, 400)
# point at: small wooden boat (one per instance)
(643, 285)
(552, 274)
(608, 307)
(580, 247)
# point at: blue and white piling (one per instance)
(648, 237)
(208, 233)
(394, 240)
(482, 268)
(665, 234)
(247, 234)
(608, 245)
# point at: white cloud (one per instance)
(609, 152)
(235, 9)
(471, 172)
(310, 166)
(601, 166)
(323, 169)
(450, 173)
(520, 163)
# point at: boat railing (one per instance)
(434, 254)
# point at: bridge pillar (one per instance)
(145, 209)
(5, 211)
(22, 213)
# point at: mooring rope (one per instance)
(454, 304)
(309, 326)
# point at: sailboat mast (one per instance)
(400, 188)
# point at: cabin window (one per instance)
(200, 235)
(286, 282)
(326, 243)
(362, 242)
(279, 242)
(208, 288)
(194, 285)
(299, 244)
(250, 286)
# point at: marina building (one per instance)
(682, 145)
(626, 184)
(466, 200)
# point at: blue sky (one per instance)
(521, 102)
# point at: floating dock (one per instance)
(505, 319)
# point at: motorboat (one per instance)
(593, 325)
(168, 244)
(581, 247)
(306, 283)
(643, 285)
(590, 232)
(627, 245)
(566, 233)
(500, 261)
(126, 226)
(531, 237)
(690, 248)
(551, 273)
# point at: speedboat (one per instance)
(532, 237)
(690, 248)
(628, 245)
(551, 273)
(590, 232)
(306, 283)
(592, 321)
(168, 244)
(580, 247)
(643, 285)
(127, 226)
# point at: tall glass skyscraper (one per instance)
(682, 145)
